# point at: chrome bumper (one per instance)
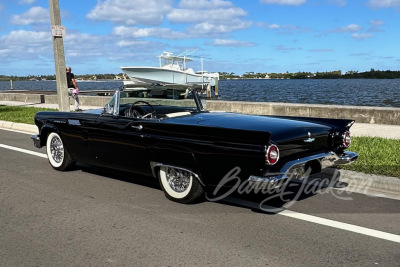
(296, 168)
(36, 140)
(346, 158)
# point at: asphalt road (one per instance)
(95, 217)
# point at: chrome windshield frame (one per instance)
(117, 101)
(112, 108)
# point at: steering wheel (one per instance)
(134, 113)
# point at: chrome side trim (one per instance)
(276, 180)
(304, 160)
(155, 165)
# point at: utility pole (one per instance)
(59, 57)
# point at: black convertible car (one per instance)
(190, 149)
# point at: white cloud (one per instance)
(134, 32)
(195, 16)
(340, 3)
(31, 46)
(26, 2)
(376, 22)
(383, 3)
(348, 28)
(25, 45)
(204, 4)
(274, 26)
(361, 36)
(84, 45)
(376, 26)
(284, 48)
(146, 12)
(124, 43)
(284, 2)
(206, 18)
(211, 29)
(232, 43)
(35, 15)
(284, 29)
(209, 17)
(31, 37)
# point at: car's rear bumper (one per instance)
(298, 168)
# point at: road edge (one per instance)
(16, 126)
(377, 185)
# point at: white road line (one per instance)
(343, 226)
(318, 220)
(24, 151)
(287, 213)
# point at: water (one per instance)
(51, 85)
(357, 92)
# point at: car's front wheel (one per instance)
(180, 185)
(57, 154)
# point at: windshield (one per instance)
(153, 103)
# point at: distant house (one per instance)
(120, 77)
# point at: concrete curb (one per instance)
(363, 183)
(23, 127)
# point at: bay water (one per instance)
(356, 92)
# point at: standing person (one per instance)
(73, 89)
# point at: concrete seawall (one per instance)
(361, 114)
(98, 101)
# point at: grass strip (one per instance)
(20, 114)
(377, 155)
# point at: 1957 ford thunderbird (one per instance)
(189, 149)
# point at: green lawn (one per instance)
(19, 114)
(376, 155)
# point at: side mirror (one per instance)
(108, 109)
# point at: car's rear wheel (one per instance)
(57, 154)
(180, 185)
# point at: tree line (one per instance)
(337, 74)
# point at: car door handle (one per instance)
(139, 127)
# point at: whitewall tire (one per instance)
(179, 185)
(57, 154)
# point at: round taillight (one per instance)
(272, 155)
(346, 138)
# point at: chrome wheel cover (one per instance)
(57, 149)
(178, 180)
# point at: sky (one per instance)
(239, 36)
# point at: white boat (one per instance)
(172, 70)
